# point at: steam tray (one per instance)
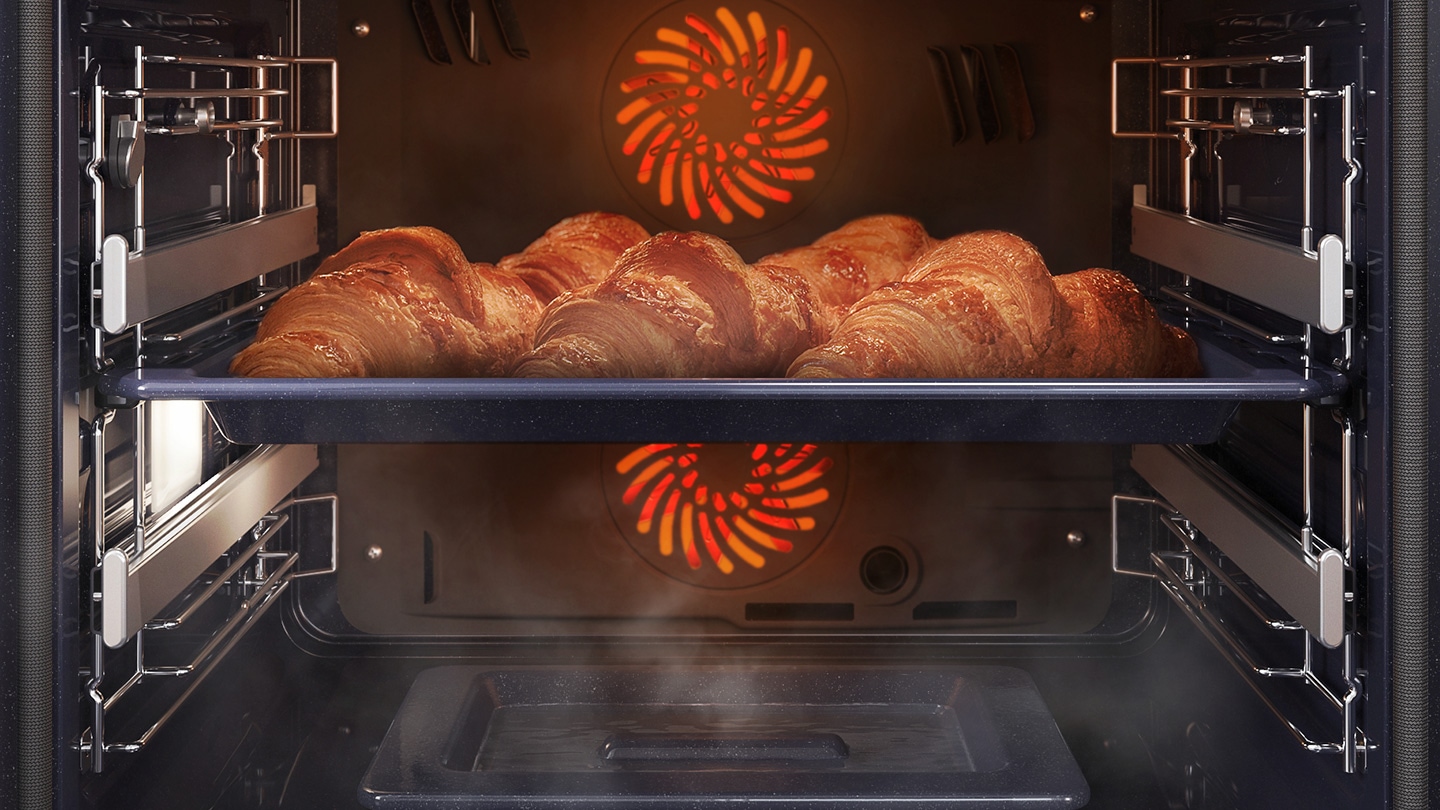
(974, 737)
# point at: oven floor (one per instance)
(1169, 727)
(710, 735)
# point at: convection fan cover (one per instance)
(725, 515)
(724, 118)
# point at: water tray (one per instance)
(1163, 411)
(977, 737)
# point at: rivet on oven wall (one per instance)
(360, 28)
(1088, 13)
(1075, 539)
(374, 553)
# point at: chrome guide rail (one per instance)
(1307, 281)
(135, 287)
(1308, 286)
(196, 92)
(1179, 294)
(254, 575)
(259, 301)
(1196, 580)
(135, 585)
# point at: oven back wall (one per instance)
(966, 115)
(707, 539)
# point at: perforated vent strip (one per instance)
(35, 372)
(1410, 369)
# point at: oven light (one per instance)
(177, 435)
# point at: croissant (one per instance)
(402, 302)
(1114, 332)
(677, 305)
(984, 305)
(576, 251)
(845, 264)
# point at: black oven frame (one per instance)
(39, 487)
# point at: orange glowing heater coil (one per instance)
(726, 526)
(695, 85)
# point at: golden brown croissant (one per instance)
(401, 302)
(845, 264)
(677, 305)
(984, 305)
(576, 251)
(1114, 332)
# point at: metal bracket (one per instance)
(125, 151)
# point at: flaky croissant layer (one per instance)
(401, 302)
(405, 302)
(677, 305)
(850, 261)
(576, 251)
(983, 305)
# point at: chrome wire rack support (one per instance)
(1197, 580)
(1295, 583)
(248, 103)
(1307, 281)
(255, 573)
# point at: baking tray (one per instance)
(974, 737)
(1126, 411)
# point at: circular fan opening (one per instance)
(729, 119)
(725, 515)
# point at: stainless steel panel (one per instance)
(192, 535)
(1310, 588)
(1307, 286)
(138, 286)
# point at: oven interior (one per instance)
(1125, 596)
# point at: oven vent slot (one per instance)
(237, 227)
(1209, 105)
(799, 612)
(1259, 590)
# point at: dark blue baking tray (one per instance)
(1170, 411)
(971, 736)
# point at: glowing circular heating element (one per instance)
(725, 515)
(724, 114)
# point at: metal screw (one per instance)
(1088, 13)
(360, 28)
(1075, 539)
(374, 552)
